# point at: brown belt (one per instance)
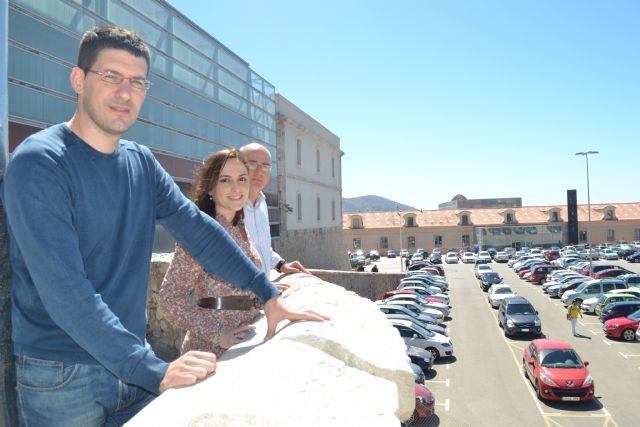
(234, 302)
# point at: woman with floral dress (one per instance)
(215, 314)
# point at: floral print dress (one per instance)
(186, 281)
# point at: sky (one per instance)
(433, 98)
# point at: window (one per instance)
(318, 208)
(333, 167)
(583, 236)
(438, 241)
(298, 152)
(609, 214)
(465, 239)
(333, 210)
(610, 235)
(509, 218)
(464, 220)
(411, 242)
(384, 243)
(555, 216)
(317, 160)
(299, 206)
(356, 222)
(357, 244)
(411, 221)
(636, 233)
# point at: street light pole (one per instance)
(400, 248)
(590, 252)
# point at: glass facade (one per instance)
(204, 97)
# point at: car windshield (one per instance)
(634, 316)
(560, 358)
(520, 309)
(602, 298)
(491, 276)
(503, 291)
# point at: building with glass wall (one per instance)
(204, 97)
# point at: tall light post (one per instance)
(590, 252)
(400, 248)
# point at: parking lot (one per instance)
(483, 385)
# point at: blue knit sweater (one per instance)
(81, 226)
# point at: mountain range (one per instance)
(372, 203)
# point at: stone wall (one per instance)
(352, 370)
(316, 248)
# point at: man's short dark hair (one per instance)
(110, 37)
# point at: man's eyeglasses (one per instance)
(116, 78)
(254, 166)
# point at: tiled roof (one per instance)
(490, 217)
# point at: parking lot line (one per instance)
(445, 404)
(445, 382)
(626, 356)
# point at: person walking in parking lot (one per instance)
(573, 311)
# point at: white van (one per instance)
(590, 289)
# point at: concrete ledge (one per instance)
(352, 370)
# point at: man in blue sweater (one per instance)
(81, 208)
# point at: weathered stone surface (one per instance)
(351, 370)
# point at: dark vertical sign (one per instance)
(572, 209)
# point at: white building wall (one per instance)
(306, 151)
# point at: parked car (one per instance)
(539, 272)
(374, 255)
(618, 309)
(501, 257)
(610, 272)
(596, 268)
(425, 405)
(591, 288)
(556, 371)
(551, 255)
(484, 257)
(468, 258)
(415, 335)
(417, 257)
(418, 373)
(451, 258)
(497, 293)
(422, 358)
(635, 257)
(480, 269)
(516, 315)
(610, 298)
(608, 254)
(424, 305)
(423, 290)
(399, 309)
(417, 309)
(624, 327)
(435, 258)
(391, 253)
(490, 278)
(433, 327)
(631, 280)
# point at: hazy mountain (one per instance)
(372, 204)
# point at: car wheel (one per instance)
(434, 353)
(629, 335)
(524, 369)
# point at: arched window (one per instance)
(356, 222)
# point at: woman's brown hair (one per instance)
(207, 179)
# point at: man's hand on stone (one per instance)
(277, 310)
(188, 369)
(293, 267)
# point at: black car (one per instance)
(435, 258)
(492, 252)
(634, 257)
(374, 255)
(516, 315)
(489, 278)
(420, 357)
(618, 309)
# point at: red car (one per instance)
(425, 404)
(540, 272)
(410, 292)
(611, 272)
(556, 371)
(551, 255)
(622, 327)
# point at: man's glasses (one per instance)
(254, 166)
(116, 78)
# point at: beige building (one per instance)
(310, 187)
(497, 227)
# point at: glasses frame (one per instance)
(102, 74)
(255, 166)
